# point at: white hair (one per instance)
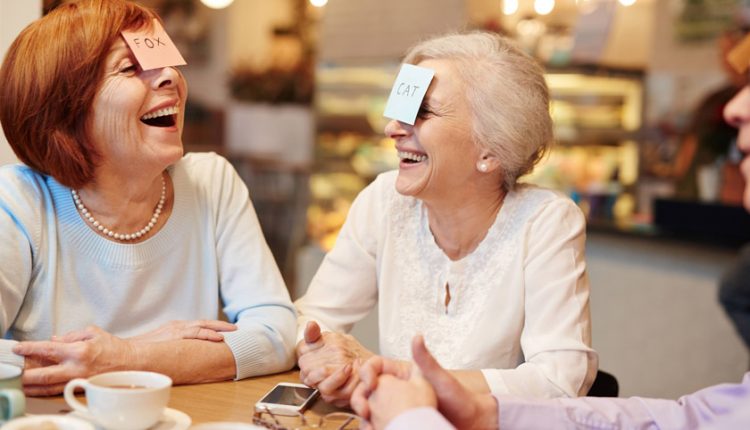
(506, 93)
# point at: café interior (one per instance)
(292, 92)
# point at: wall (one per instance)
(14, 16)
(207, 79)
(679, 74)
(656, 320)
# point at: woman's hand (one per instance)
(370, 375)
(390, 387)
(177, 330)
(395, 396)
(51, 364)
(330, 362)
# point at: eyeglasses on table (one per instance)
(331, 421)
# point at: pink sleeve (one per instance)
(420, 418)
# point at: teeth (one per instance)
(411, 156)
(162, 112)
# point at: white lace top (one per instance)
(519, 303)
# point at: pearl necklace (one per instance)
(119, 236)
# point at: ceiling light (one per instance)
(217, 4)
(318, 3)
(544, 7)
(510, 7)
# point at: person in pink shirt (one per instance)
(394, 395)
(399, 395)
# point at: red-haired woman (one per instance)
(117, 251)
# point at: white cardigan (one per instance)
(519, 308)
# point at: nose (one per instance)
(737, 111)
(166, 77)
(395, 129)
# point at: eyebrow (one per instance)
(115, 49)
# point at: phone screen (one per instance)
(286, 395)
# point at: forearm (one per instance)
(696, 410)
(548, 375)
(207, 361)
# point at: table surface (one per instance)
(220, 401)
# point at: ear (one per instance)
(488, 163)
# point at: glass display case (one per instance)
(595, 159)
(351, 149)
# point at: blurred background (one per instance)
(292, 93)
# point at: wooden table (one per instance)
(226, 401)
(219, 401)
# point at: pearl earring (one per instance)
(483, 166)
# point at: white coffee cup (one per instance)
(129, 400)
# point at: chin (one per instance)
(408, 187)
(174, 154)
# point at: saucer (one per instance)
(62, 422)
(172, 419)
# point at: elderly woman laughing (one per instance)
(490, 271)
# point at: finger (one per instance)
(317, 375)
(217, 325)
(442, 381)
(377, 365)
(344, 393)
(359, 401)
(210, 335)
(43, 350)
(312, 332)
(369, 372)
(425, 361)
(336, 380)
(45, 390)
(306, 348)
(46, 376)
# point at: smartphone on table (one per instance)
(287, 399)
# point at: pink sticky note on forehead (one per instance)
(153, 49)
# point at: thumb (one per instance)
(440, 379)
(312, 332)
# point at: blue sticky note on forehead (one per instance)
(407, 93)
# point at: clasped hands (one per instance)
(389, 388)
(330, 362)
(379, 389)
(49, 365)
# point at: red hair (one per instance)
(48, 81)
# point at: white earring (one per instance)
(483, 166)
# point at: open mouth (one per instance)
(411, 157)
(166, 117)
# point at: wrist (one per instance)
(488, 412)
(135, 351)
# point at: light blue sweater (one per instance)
(57, 275)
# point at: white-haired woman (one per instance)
(490, 271)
